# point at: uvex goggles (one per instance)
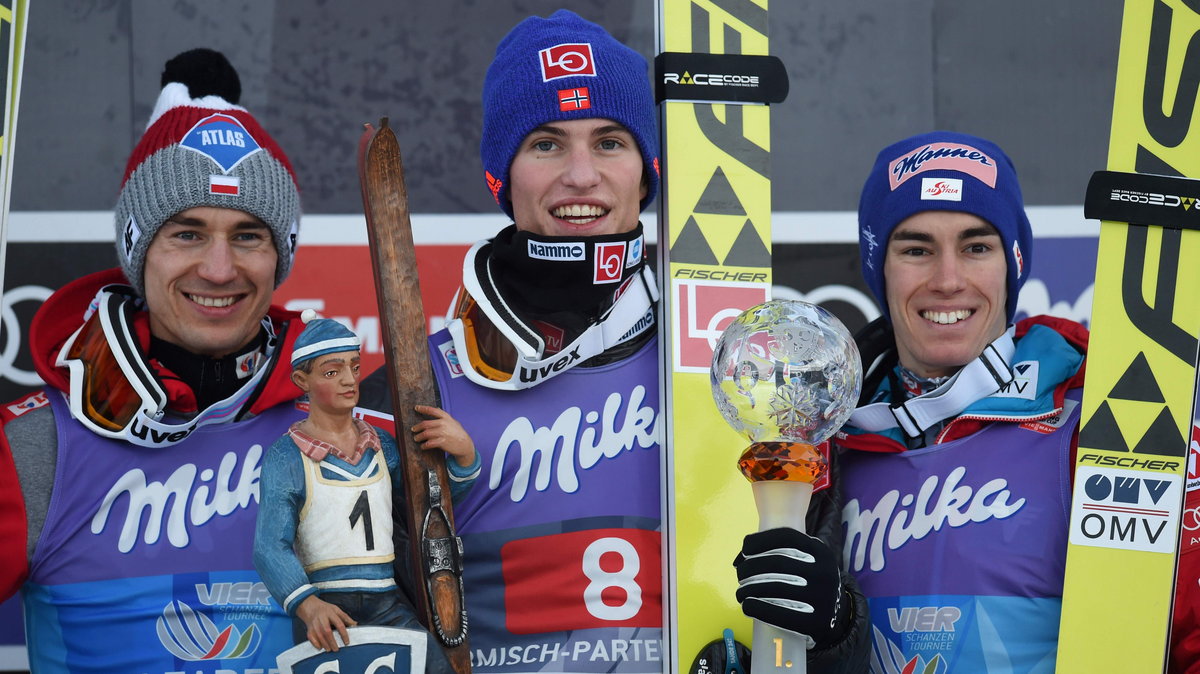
(113, 390)
(981, 377)
(527, 364)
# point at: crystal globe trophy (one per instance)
(786, 374)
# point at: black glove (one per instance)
(791, 580)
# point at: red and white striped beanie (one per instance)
(202, 149)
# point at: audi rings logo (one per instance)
(14, 334)
(1191, 519)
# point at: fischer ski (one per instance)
(714, 253)
(1141, 378)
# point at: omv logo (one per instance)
(190, 635)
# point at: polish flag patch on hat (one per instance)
(219, 184)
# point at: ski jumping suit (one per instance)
(960, 546)
(143, 563)
(570, 475)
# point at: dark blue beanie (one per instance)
(943, 171)
(557, 69)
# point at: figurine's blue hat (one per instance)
(322, 336)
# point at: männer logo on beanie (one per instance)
(221, 138)
(943, 157)
(567, 60)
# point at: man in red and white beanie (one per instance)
(129, 485)
(203, 149)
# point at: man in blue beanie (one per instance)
(551, 362)
(955, 468)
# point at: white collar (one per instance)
(980, 378)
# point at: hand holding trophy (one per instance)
(786, 374)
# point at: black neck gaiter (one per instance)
(211, 379)
(552, 276)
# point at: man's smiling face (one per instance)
(946, 278)
(209, 279)
(577, 178)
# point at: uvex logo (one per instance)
(534, 374)
(156, 437)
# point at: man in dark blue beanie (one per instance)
(550, 361)
(955, 468)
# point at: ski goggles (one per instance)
(498, 350)
(113, 390)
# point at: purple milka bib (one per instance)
(562, 528)
(144, 563)
(960, 548)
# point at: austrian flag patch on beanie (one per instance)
(943, 171)
(559, 69)
(201, 148)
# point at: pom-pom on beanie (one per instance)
(558, 69)
(322, 336)
(943, 171)
(201, 148)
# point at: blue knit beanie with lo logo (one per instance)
(558, 69)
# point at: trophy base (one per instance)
(783, 461)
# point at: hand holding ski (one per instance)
(436, 551)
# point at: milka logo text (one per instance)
(190, 504)
(582, 441)
(896, 519)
